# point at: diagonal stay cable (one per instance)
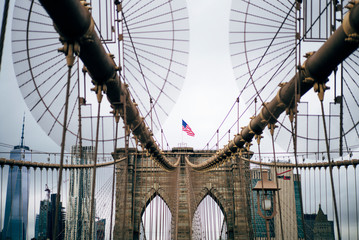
(134, 49)
(282, 62)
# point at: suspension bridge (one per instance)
(100, 79)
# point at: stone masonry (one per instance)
(139, 180)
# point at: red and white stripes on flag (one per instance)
(187, 129)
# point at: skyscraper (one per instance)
(17, 195)
(45, 220)
(42, 219)
(78, 206)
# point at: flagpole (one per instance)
(181, 135)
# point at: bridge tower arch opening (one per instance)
(209, 220)
(156, 219)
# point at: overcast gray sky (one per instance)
(206, 96)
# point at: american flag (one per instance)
(187, 129)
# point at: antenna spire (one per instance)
(22, 134)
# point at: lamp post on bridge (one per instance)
(268, 189)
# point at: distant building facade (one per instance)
(100, 227)
(42, 219)
(291, 211)
(318, 227)
(298, 208)
(45, 220)
(289, 198)
(79, 202)
(17, 195)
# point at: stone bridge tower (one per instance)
(139, 180)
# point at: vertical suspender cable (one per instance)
(151, 205)
(135, 159)
(237, 115)
(213, 233)
(320, 185)
(21, 226)
(209, 208)
(11, 170)
(155, 215)
(340, 202)
(114, 175)
(206, 217)
(92, 208)
(326, 189)
(203, 231)
(356, 201)
(64, 129)
(202, 220)
(161, 219)
(346, 171)
(103, 139)
(28, 198)
(310, 191)
(299, 182)
(1, 190)
(330, 171)
(315, 191)
(218, 227)
(34, 195)
(162, 139)
(164, 222)
(145, 211)
(276, 182)
(253, 204)
(261, 175)
(123, 101)
(167, 222)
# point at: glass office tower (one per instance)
(17, 196)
